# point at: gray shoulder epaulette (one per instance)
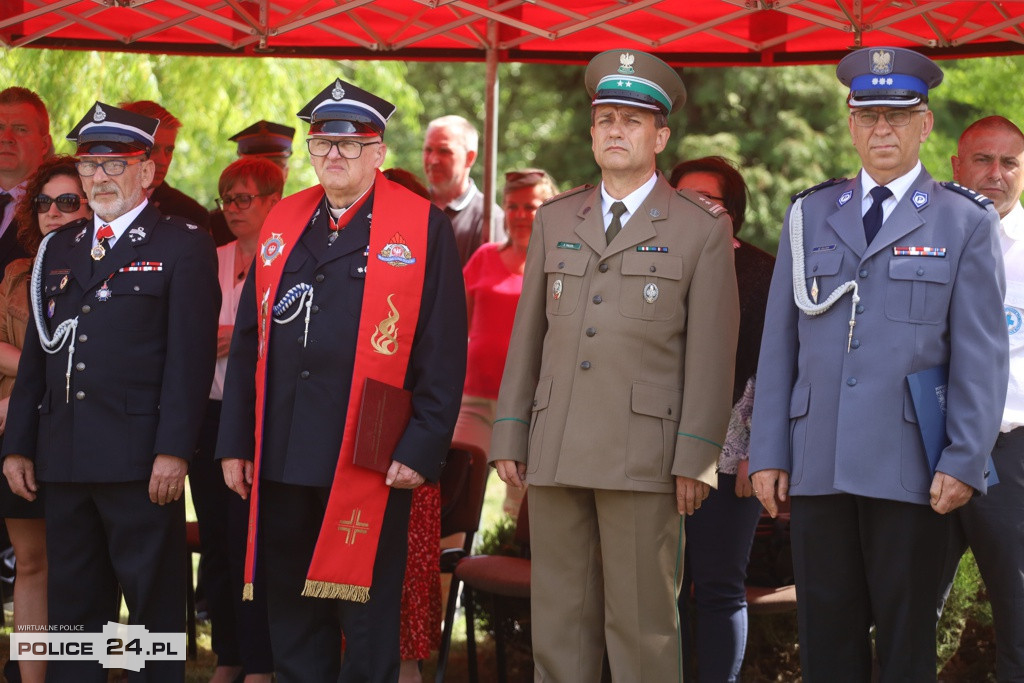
(183, 223)
(976, 197)
(828, 183)
(714, 208)
(568, 193)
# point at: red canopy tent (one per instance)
(683, 32)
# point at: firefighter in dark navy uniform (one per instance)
(356, 279)
(111, 390)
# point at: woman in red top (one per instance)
(494, 280)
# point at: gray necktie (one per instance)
(617, 209)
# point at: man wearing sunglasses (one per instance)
(355, 279)
(878, 279)
(24, 143)
(113, 382)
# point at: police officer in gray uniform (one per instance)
(878, 277)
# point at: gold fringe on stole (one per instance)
(336, 591)
(247, 592)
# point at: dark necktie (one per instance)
(873, 218)
(5, 199)
(617, 209)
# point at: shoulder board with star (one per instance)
(976, 197)
(810, 190)
(714, 208)
(183, 223)
(568, 193)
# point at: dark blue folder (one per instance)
(928, 392)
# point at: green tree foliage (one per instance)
(214, 98)
(785, 127)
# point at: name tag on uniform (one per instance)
(569, 245)
(939, 252)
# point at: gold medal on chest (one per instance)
(98, 252)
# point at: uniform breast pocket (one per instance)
(132, 301)
(356, 283)
(823, 266)
(653, 425)
(918, 290)
(565, 270)
(652, 286)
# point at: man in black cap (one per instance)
(112, 386)
(886, 297)
(617, 389)
(265, 139)
(356, 280)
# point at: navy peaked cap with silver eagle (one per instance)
(345, 109)
(109, 131)
(888, 77)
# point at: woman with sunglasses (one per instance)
(53, 197)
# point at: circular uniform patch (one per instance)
(1013, 319)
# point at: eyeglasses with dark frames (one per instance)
(347, 147)
(66, 203)
(241, 201)
(111, 167)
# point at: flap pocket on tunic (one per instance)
(567, 262)
(919, 269)
(656, 401)
(651, 264)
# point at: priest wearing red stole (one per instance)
(356, 278)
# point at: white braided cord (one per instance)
(800, 296)
(66, 330)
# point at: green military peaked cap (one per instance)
(634, 79)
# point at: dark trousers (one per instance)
(860, 561)
(306, 632)
(239, 631)
(100, 536)
(718, 540)
(993, 526)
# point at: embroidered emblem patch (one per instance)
(396, 252)
(920, 199)
(353, 526)
(882, 62)
(384, 339)
(79, 236)
(626, 63)
(1013, 319)
(137, 234)
(844, 198)
(272, 248)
